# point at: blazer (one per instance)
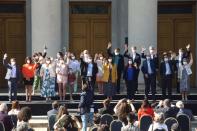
(120, 65)
(84, 68)
(163, 68)
(106, 73)
(9, 70)
(137, 59)
(144, 67)
(86, 100)
(155, 59)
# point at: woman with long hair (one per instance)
(145, 109)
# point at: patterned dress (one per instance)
(48, 84)
(184, 81)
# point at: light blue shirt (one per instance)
(90, 68)
(168, 71)
(13, 72)
(149, 67)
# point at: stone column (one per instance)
(46, 25)
(142, 25)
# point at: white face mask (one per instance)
(13, 63)
(116, 53)
(110, 60)
(89, 60)
(184, 63)
(48, 62)
(73, 57)
(180, 53)
(165, 59)
(28, 61)
(130, 62)
(151, 51)
(134, 51)
(148, 58)
(101, 58)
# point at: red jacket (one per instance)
(145, 111)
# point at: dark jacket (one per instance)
(168, 111)
(144, 67)
(84, 68)
(186, 112)
(155, 59)
(86, 101)
(137, 59)
(120, 64)
(104, 110)
(6, 119)
(163, 68)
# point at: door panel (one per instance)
(2, 45)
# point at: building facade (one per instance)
(26, 26)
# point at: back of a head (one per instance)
(131, 117)
(180, 104)
(145, 103)
(15, 105)
(159, 118)
(106, 102)
(55, 105)
(167, 103)
(24, 114)
(103, 127)
(22, 127)
(3, 107)
(97, 119)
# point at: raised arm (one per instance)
(5, 62)
(109, 49)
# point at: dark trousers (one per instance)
(130, 89)
(136, 81)
(118, 81)
(166, 83)
(150, 83)
(12, 89)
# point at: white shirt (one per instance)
(158, 126)
(134, 55)
(100, 67)
(90, 69)
(13, 112)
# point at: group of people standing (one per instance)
(43, 74)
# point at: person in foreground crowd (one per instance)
(54, 110)
(149, 70)
(28, 70)
(158, 123)
(107, 109)
(166, 73)
(15, 108)
(47, 73)
(5, 118)
(182, 110)
(118, 60)
(23, 119)
(132, 124)
(12, 76)
(109, 78)
(145, 109)
(136, 60)
(86, 101)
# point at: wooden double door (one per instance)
(12, 35)
(175, 31)
(90, 31)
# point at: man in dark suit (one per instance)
(149, 70)
(118, 60)
(89, 69)
(166, 73)
(136, 60)
(12, 76)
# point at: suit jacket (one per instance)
(9, 70)
(6, 119)
(144, 67)
(120, 65)
(155, 59)
(86, 100)
(84, 69)
(137, 59)
(168, 111)
(163, 68)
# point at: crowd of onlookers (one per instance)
(59, 118)
(45, 74)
